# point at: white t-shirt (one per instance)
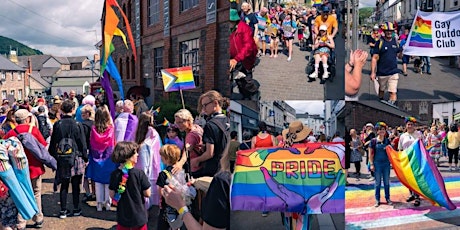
(311, 139)
(338, 139)
(406, 139)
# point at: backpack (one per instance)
(39, 151)
(66, 150)
(43, 126)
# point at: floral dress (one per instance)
(433, 143)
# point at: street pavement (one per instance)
(361, 213)
(283, 80)
(441, 85)
(93, 220)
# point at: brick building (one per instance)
(11, 79)
(359, 113)
(172, 34)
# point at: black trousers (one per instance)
(76, 182)
(453, 153)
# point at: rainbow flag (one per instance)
(305, 179)
(421, 34)
(110, 28)
(175, 79)
(165, 122)
(417, 171)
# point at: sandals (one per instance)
(409, 199)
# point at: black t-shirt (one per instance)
(368, 138)
(216, 204)
(214, 135)
(251, 20)
(161, 181)
(131, 209)
(388, 53)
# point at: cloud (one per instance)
(311, 107)
(61, 28)
(367, 3)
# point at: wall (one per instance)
(15, 84)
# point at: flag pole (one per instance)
(182, 98)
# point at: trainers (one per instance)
(389, 202)
(264, 214)
(63, 214)
(38, 224)
(99, 207)
(313, 75)
(275, 56)
(325, 75)
(289, 59)
(377, 204)
(107, 206)
(77, 212)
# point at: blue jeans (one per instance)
(382, 171)
(427, 61)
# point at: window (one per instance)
(187, 4)
(120, 67)
(423, 107)
(189, 56)
(20, 94)
(12, 76)
(157, 64)
(3, 75)
(128, 72)
(408, 106)
(12, 93)
(20, 76)
(154, 12)
(133, 68)
(3, 94)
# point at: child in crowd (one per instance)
(128, 187)
(168, 216)
(172, 137)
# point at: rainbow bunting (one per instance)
(305, 179)
(110, 28)
(165, 122)
(417, 171)
(175, 79)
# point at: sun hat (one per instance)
(296, 131)
(369, 125)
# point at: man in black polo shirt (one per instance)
(215, 135)
(384, 65)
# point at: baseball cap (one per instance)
(22, 114)
(369, 125)
(323, 27)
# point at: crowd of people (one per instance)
(370, 143)
(259, 34)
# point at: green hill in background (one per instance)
(6, 43)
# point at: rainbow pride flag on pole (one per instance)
(175, 79)
(417, 171)
(110, 29)
(305, 179)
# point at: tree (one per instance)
(365, 12)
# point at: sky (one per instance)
(312, 107)
(367, 3)
(57, 27)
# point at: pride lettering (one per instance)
(300, 169)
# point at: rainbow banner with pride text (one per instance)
(434, 34)
(306, 179)
(417, 171)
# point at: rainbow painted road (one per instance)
(360, 212)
